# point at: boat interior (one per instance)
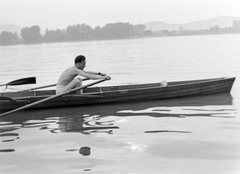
(97, 90)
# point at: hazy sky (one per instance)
(54, 14)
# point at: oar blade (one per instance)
(23, 81)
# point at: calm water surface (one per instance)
(188, 135)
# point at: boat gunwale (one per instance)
(107, 89)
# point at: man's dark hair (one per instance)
(79, 59)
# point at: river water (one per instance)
(188, 135)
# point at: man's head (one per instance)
(80, 62)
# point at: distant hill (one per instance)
(221, 21)
(11, 28)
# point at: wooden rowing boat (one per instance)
(123, 93)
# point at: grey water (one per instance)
(189, 135)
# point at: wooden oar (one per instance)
(50, 98)
(23, 81)
(40, 87)
(47, 86)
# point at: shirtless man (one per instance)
(68, 79)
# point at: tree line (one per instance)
(78, 32)
(83, 32)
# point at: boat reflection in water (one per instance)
(85, 124)
(93, 119)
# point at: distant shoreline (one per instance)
(114, 31)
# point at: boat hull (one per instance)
(125, 93)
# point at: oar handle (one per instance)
(50, 98)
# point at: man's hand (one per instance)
(101, 74)
(107, 77)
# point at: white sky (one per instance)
(53, 14)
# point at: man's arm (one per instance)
(92, 75)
